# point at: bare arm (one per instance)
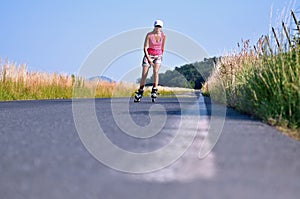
(163, 44)
(146, 45)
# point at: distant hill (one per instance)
(101, 78)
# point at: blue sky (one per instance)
(57, 36)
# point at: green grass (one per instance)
(270, 90)
(266, 86)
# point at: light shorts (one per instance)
(155, 59)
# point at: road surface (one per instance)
(43, 157)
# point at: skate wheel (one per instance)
(137, 100)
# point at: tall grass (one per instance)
(262, 80)
(17, 83)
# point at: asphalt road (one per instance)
(43, 157)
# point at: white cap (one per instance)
(158, 23)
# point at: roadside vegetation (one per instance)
(17, 83)
(263, 80)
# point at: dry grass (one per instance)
(17, 83)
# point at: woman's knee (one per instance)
(156, 69)
(145, 71)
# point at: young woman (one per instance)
(153, 51)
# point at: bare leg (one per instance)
(155, 74)
(144, 76)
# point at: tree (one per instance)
(191, 75)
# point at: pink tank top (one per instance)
(155, 47)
